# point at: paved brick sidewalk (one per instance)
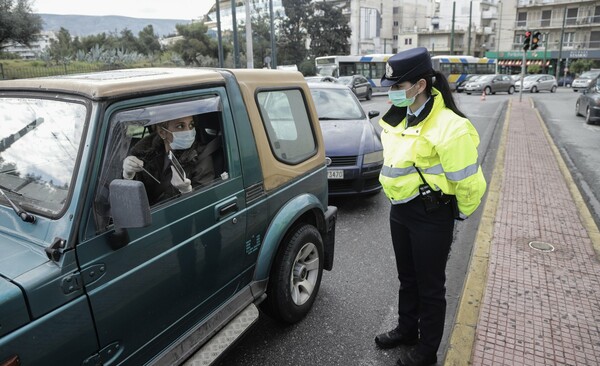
(538, 307)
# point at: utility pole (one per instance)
(236, 46)
(273, 53)
(452, 32)
(470, 22)
(249, 49)
(499, 33)
(220, 40)
(560, 44)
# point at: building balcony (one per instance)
(573, 22)
(534, 3)
(489, 14)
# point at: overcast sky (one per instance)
(156, 9)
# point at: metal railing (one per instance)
(8, 71)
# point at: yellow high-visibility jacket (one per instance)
(444, 148)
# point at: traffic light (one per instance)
(527, 40)
(535, 39)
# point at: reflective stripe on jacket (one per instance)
(443, 146)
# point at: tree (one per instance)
(18, 25)
(291, 45)
(261, 36)
(328, 31)
(61, 49)
(148, 41)
(195, 43)
(127, 41)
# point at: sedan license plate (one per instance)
(335, 174)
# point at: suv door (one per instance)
(361, 85)
(172, 274)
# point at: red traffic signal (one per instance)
(527, 40)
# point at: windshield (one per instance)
(589, 74)
(39, 144)
(345, 80)
(336, 104)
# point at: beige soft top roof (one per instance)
(118, 82)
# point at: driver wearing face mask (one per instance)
(149, 160)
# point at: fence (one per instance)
(18, 72)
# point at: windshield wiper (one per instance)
(24, 215)
(331, 118)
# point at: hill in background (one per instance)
(85, 25)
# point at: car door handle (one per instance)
(226, 208)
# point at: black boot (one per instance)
(410, 356)
(395, 338)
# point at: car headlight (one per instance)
(374, 157)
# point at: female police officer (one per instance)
(432, 177)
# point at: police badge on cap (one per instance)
(406, 65)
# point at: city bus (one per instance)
(456, 68)
(370, 66)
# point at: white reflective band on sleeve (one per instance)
(397, 202)
(390, 172)
(463, 173)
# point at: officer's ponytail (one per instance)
(441, 83)
(438, 80)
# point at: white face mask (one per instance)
(182, 139)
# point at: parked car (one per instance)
(491, 84)
(460, 86)
(537, 83)
(313, 79)
(584, 80)
(353, 149)
(565, 81)
(92, 274)
(588, 103)
(358, 84)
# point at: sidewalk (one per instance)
(532, 294)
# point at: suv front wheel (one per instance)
(295, 276)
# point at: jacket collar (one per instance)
(395, 115)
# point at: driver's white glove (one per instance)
(184, 186)
(131, 165)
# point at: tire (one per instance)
(369, 94)
(588, 116)
(295, 276)
(577, 109)
(533, 89)
(553, 90)
(511, 89)
(488, 90)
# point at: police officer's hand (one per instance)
(183, 185)
(131, 165)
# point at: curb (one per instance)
(460, 348)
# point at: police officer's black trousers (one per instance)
(421, 244)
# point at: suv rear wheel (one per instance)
(295, 276)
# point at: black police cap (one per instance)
(406, 65)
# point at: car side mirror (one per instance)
(129, 209)
(373, 114)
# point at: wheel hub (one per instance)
(300, 271)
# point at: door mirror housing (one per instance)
(129, 205)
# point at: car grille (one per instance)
(342, 160)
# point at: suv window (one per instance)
(133, 132)
(288, 126)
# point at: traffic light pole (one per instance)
(523, 67)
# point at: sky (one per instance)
(155, 9)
